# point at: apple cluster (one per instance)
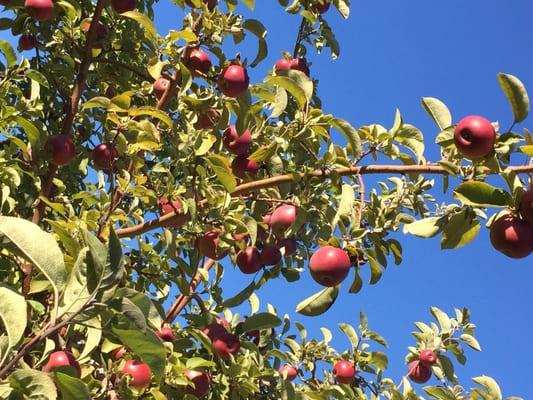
(419, 371)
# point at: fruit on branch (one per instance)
(122, 6)
(200, 382)
(208, 246)
(27, 42)
(233, 80)
(526, 206)
(235, 143)
(270, 254)
(140, 374)
(40, 10)
(283, 64)
(512, 236)
(166, 334)
(159, 86)
(225, 345)
(321, 6)
(474, 137)
(166, 207)
(428, 357)
(63, 361)
(198, 61)
(61, 149)
(418, 372)
(288, 372)
(241, 166)
(344, 372)
(300, 64)
(211, 4)
(267, 218)
(118, 353)
(249, 260)
(105, 156)
(329, 265)
(289, 245)
(215, 330)
(283, 217)
(207, 119)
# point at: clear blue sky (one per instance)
(392, 54)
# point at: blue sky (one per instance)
(392, 54)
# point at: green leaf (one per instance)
(440, 393)
(93, 336)
(470, 341)
(153, 112)
(516, 93)
(481, 194)
(144, 304)
(240, 297)
(375, 271)
(76, 291)
(424, 228)
(8, 52)
(260, 321)
(442, 318)
(264, 152)
(346, 205)
(249, 3)
(438, 111)
(460, 230)
(12, 307)
(258, 29)
(350, 333)
(220, 165)
(350, 133)
(491, 387)
(294, 82)
(30, 129)
(279, 103)
(318, 303)
(149, 29)
(197, 362)
(71, 388)
(527, 150)
(34, 384)
(102, 102)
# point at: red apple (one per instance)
(233, 80)
(105, 156)
(235, 143)
(283, 217)
(198, 61)
(61, 149)
(288, 372)
(27, 42)
(213, 331)
(428, 357)
(208, 246)
(121, 6)
(329, 265)
(211, 4)
(512, 236)
(344, 372)
(283, 64)
(225, 345)
(526, 206)
(289, 245)
(321, 6)
(241, 166)
(270, 254)
(166, 207)
(207, 119)
(267, 218)
(300, 64)
(140, 374)
(418, 372)
(159, 86)
(249, 260)
(474, 137)
(63, 361)
(40, 10)
(200, 382)
(166, 334)
(118, 353)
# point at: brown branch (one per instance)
(299, 38)
(280, 179)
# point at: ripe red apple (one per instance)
(428, 357)
(267, 218)
(61, 149)
(512, 236)
(121, 6)
(105, 156)
(249, 260)
(321, 6)
(283, 64)
(526, 206)
(200, 382)
(329, 265)
(474, 137)
(288, 372)
(344, 372)
(63, 361)
(198, 61)
(211, 4)
(166, 334)
(207, 119)
(235, 143)
(270, 254)
(233, 80)
(225, 345)
(241, 166)
(418, 372)
(40, 10)
(140, 374)
(118, 353)
(283, 217)
(159, 86)
(27, 42)
(300, 64)
(208, 246)
(166, 207)
(289, 245)
(213, 331)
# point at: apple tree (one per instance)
(135, 168)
